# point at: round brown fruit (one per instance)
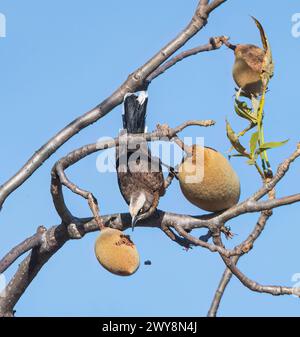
(116, 252)
(218, 188)
(247, 69)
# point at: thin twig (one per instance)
(253, 285)
(225, 279)
(59, 178)
(135, 82)
(244, 247)
(214, 44)
(28, 244)
(55, 238)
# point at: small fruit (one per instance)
(248, 67)
(116, 252)
(208, 181)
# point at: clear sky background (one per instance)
(61, 58)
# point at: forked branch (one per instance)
(135, 82)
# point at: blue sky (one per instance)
(59, 59)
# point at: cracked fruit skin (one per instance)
(247, 68)
(220, 187)
(116, 252)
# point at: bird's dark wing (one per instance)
(126, 183)
(125, 179)
(148, 173)
(135, 109)
(141, 172)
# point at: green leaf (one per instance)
(269, 145)
(263, 35)
(234, 140)
(235, 155)
(272, 145)
(253, 143)
(242, 110)
(268, 67)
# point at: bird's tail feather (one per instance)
(134, 116)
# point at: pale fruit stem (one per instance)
(95, 210)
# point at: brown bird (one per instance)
(248, 67)
(140, 176)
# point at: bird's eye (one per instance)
(141, 211)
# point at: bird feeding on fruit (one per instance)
(140, 176)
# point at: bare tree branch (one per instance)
(248, 243)
(214, 4)
(198, 242)
(253, 285)
(214, 44)
(135, 81)
(174, 237)
(204, 2)
(54, 239)
(163, 132)
(225, 279)
(59, 178)
(244, 247)
(45, 243)
(28, 269)
(28, 244)
(281, 171)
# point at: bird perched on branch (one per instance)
(140, 176)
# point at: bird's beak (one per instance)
(133, 222)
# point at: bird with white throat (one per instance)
(140, 176)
